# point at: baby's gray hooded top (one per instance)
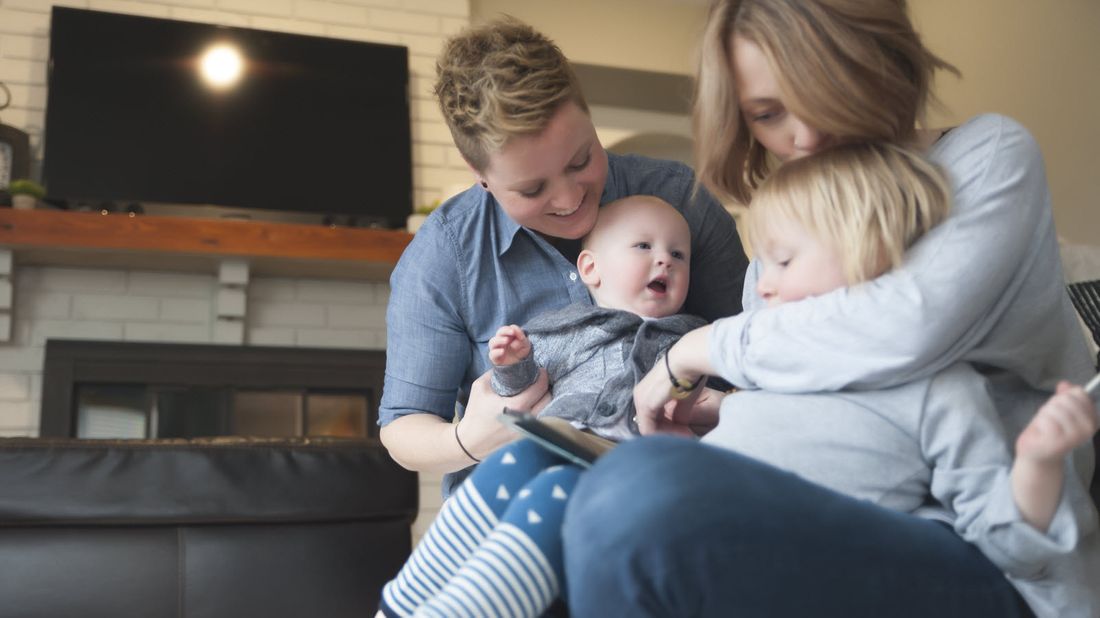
(593, 358)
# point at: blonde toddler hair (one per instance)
(870, 201)
(499, 80)
(854, 69)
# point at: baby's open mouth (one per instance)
(658, 285)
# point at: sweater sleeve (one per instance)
(551, 335)
(962, 438)
(956, 284)
(510, 380)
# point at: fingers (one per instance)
(1074, 412)
(1064, 422)
(681, 411)
(509, 345)
(650, 397)
(704, 414)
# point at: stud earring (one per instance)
(484, 185)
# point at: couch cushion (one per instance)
(219, 480)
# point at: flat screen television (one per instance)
(312, 124)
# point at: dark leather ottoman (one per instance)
(199, 528)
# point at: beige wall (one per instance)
(652, 35)
(1039, 62)
(1035, 60)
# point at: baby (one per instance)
(636, 264)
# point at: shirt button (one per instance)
(572, 276)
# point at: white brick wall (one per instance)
(119, 305)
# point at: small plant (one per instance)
(24, 186)
(426, 209)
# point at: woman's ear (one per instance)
(477, 175)
(586, 266)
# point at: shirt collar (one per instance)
(506, 228)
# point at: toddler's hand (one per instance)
(1067, 420)
(509, 346)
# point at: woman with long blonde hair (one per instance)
(716, 533)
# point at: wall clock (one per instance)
(15, 147)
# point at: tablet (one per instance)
(558, 436)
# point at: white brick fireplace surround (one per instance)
(134, 304)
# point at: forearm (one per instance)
(424, 443)
(1036, 489)
(689, 358)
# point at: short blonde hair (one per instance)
(869, 201)
(855, 69)
(499, 80)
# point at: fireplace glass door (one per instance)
(120, 390)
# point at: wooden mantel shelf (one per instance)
(62, 238)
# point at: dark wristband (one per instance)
(680, 388)
(463, 447)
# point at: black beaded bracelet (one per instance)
(463, 447)
(680, 389)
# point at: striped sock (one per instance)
(517, 570)
(465, 520)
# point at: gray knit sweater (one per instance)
(593, 358)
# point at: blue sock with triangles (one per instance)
(517, 569)
(467, 517)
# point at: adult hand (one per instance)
(657, 411)
(480, 430)
(704, 414)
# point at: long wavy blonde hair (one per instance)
(869, 201)
(498, 80)
(855, 69)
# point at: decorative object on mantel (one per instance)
(25, 193)
(15, 146)
(419, 215)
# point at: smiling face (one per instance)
(551, 182)
(796, 264)
(777, 129)
(638, 257)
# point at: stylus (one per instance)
(1093, 388)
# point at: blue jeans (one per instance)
(668, 527)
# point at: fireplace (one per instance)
(98, 389)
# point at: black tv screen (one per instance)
(312, 125)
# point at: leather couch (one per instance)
(223, 527)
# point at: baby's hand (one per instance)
(509, 346)
(1066, 421)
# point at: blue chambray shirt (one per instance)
(471, 269)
